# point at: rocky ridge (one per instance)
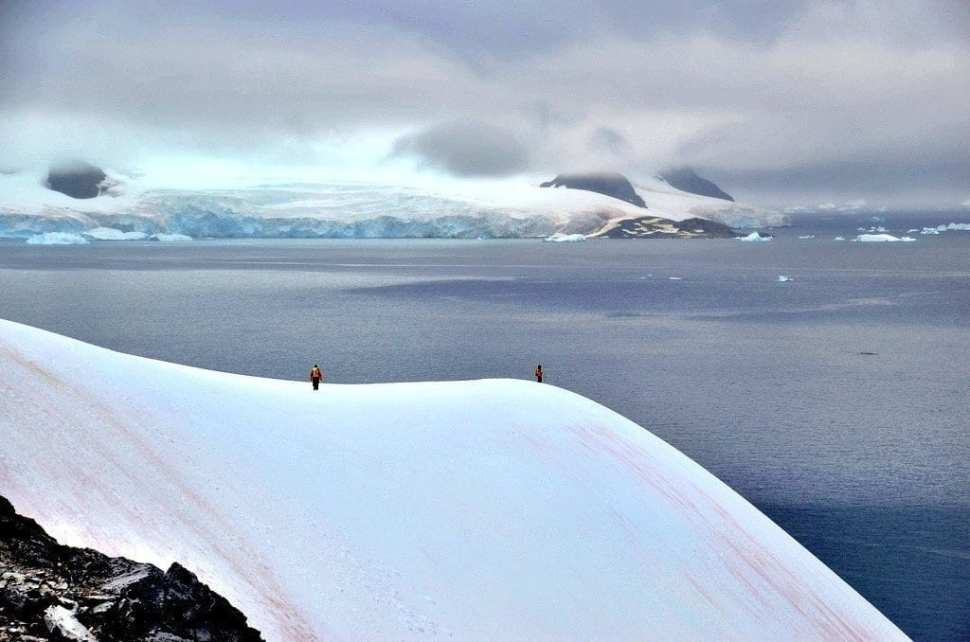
(53, 592)
(607, 183)
(655, 227)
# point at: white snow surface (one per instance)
(64, 621)
(476, 510)
(56, 238)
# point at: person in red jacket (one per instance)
(316, 376)
(538, 373)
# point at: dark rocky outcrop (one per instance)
(54, 592)
(608, 183)
(686, 180)
(654, 227)
(77, 179)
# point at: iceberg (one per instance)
(754, 237)
(839, 238)
(469, 510)
(57, 238)
(784, 278)
(883, 238)
(559, 237)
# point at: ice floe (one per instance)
(883, 238)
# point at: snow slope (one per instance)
(479, 510)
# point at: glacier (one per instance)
(465, 210)
(473, 510)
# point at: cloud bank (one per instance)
(801, 100)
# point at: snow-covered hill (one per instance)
(507, 208)
(476, 510)
(479, 510)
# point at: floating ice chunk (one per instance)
(882, 238)
(839, 238)
(754, 237)
(963, 227)
(806, 236)
(930, 231)
(559, 237)
(170, 238)
(57, 238)
(676, 278)
(784, 278)
(112, 234)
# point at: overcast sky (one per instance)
(779, 101)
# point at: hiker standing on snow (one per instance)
(538, 373)
(316, 376)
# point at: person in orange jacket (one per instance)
(316, 376)
(538, 373)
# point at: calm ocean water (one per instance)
(838, 402)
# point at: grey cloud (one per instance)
(465, 149)
(607, 139)
(745, 90)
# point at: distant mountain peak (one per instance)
(686, 180)
(77, 179)
(607, 183)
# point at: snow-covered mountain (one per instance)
(507, 208)
(476, 510)
(687, 180)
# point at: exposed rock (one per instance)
(54, 592)
(686, 180)
(79, 179)
(655, 227)
(608, 183)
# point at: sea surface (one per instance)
(837, 401)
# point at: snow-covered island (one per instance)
(475, 510)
